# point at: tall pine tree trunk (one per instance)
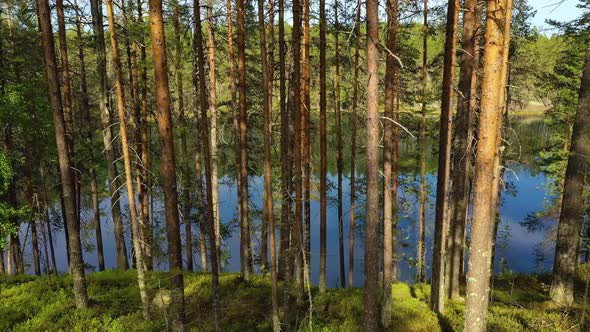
(120, 92)
(486, 168)
(421, 254)
(388, 141)
(355, 95)
(462, 146)
(339, 157)
(570, 220)
(106, 123)
(306, 135)
(207, 156)
(323, 148)
(213, 113)
(371, 314)
(67, 179)
(437, 295)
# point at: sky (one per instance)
(560, 10)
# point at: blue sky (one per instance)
(561, 10)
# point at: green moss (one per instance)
(40, 303)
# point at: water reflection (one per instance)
(525, 193)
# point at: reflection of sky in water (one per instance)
(529, 197)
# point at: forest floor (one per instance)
(28, 303)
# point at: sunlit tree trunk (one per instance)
(371, 314)
(120, 92)
(323, 148)
(421, 254)
(213, 113)
(198, 39)
(486, 168)
(570, 220)
(388, 142)
(105, 119)
(355, 93)
(437, 295)
(76, 262)
(168, 161)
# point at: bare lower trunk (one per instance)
(568, 234)
(105, 119)
(371, 314)
(355, 93)
(323, 148)
(31, 198)
(120, 92)
(437, 295)
(306, 135)
(486, 164)
(76, 262)
(388, 142)
(462, 146)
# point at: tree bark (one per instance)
(105, 119)
(45, 198)
(245, 251)
(76, 261)
(371, 314)
(462, 146)
(437, 295)
(268, 198)
(306, 136)
(388, 147)
(206, 151)
(355, 94)
(297, 241)
(570, 220)
(213, 113)
(120, 92)
(31, 198)
(323, 147)
(486, 168)
(421, 259)
(285, 223)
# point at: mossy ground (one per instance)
(46, 303)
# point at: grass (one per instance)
(28, 303)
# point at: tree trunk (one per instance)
(297, 246)
(105, 119)
(462, 146)
(30, 194)
(198, 39)
(120, 92)
(486, 168)
(268, 199)
(323, 147)
(388, 141)
(355, 94)
(285, 223)
(143, 167)
(306, 136)
(245, 251)
(437, 295)
(76, 262)
(88, 134)
(45, 198)
(371, 315)
(421, 259)
(568, 234)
